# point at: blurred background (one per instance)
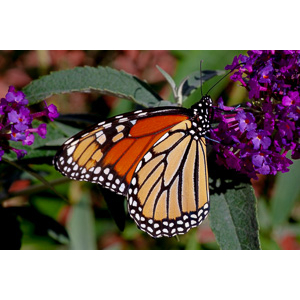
(88, 220)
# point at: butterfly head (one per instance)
(203, 107)
(206, 101)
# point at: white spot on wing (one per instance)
(71, 150)
(107, 125)
(74, 143)
(69, 141)
(138, 166)
(162, 138)
(99, 133)
(133, 182)
(101, 139)
(142, 114)
(123, 120)
(147, 156)
(122, 187)
(97, 170)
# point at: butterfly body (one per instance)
(155, 157)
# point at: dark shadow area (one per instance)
(222, 179)
(115, 204)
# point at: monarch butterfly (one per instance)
(155, 157)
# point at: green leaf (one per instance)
(233, 217)
(123, 106)
(189, 61)
(193, 81)
(287, 191)
(65, 129)
(170, 81)
(105, 81)
(168, 77)
(81, 225)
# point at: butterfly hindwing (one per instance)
(169, 191)
(109, 152)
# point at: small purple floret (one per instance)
(16, 121)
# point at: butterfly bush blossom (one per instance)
(16, 122)
(256, 139)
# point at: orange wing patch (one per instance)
(116, 152)
(125, 155)
(155, 124)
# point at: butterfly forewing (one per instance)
(169, 191)
(109, 152)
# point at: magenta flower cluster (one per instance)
(16, 121)
(255, 139)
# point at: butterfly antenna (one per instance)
(218, 81)
(201, 61)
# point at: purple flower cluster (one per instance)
(255, 139)
(16, 121)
